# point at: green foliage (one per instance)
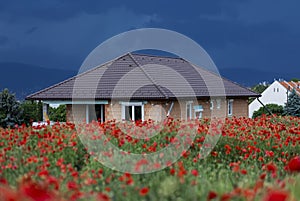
(274, 108)
(32, 111)
(259, 88)
(295, 79)
(292, 107)
(10, 110)
(58, 114)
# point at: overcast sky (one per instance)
(261, 34)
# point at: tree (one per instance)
(274, 108)
(32, 111)
(295, 79)
(58, 114)
(292, 106)
(259, 88)
(10, 110)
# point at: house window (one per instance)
(230, 107)
(211, 104)
(198, 111)
(189, 110)
(277, 89)
(218, 103)
(132, 111)
(274, 89)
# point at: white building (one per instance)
(276, 93)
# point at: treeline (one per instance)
(13, 112)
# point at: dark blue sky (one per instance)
(258, 34)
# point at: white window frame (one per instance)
(211, 104)
(190, 103)
(132, 111)
(230, 107)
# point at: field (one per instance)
(253, 160)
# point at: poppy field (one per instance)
(254, 159)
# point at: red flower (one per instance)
(194, 172)
(144, 191)
(36, 192)
(102, 197)
(276, 195)
(294, 164)
(72, 185)
(271, 167)
(211, 195)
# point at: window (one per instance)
(132, 111)
(230, 107)
(218, 103)
(211, 104)
(198, 111)
(274, 89)
(189, 110)
(277, 89)
(94, 112)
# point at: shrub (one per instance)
(274, 108)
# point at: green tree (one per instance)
(32, 111)
(274, 108)
(10, 110)
(292, 106)
(295, 79)
(58, 114)
(259, 88)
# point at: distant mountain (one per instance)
(251, 77)
(23, 79)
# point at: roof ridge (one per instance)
(157, 56)
(149, 77)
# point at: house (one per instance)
(276, 93)
(153, 89)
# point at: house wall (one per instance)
(275, 93)
(158, 109)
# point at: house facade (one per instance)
(151, 90)
(276, 93)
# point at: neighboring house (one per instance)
(276, 93)
(151, 101)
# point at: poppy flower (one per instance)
(211, 195)
(294, 164)
(144, 191)
(194, 172)
(276, 195)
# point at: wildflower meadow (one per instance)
(254, 159)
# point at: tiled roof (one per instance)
(137, 76)
(291, 85)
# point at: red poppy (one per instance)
(271, 167)
(36, 192)
(144, 191)
(194, 172)
(294, 164)
(276, 195)
(211, 195)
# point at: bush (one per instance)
(274, 108)
(32, 111)
(10, 110)
(58, 114)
